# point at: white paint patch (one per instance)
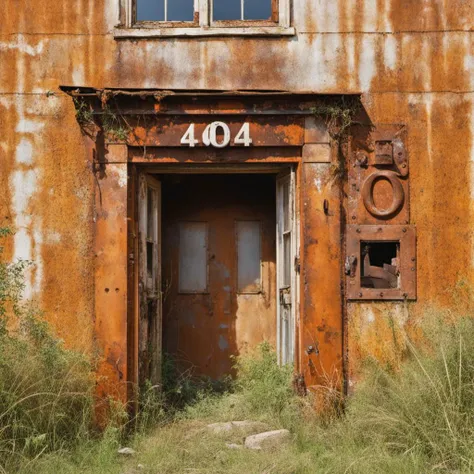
(318, 183)
(111, 12)
(28, 126)
(390, 52)
(321, 66)
(369, 314)
(21, 45)
(5, 102)
(22, 242)
(351, 65)
(122, 176)
(328, 15)
(23, 185)
(370, 15)
(367, 63)
(24, 152)
(78, 75)
(423, 71)
(38, 262)
(469, 67)
(387, 24)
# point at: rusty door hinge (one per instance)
(297, 265)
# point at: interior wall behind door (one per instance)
(219, 277)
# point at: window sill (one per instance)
(120, 33)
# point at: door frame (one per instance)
(290, 176)
(134, 211)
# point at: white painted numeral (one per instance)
(188, 137)
(243, 137)
(209, 137)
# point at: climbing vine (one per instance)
(339, 117)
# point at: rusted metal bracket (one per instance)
(378, 179)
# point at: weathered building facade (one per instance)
(198, 186)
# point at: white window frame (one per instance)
(128, 28)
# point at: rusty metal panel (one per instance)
(321, 325)
(111, 285)
(400, 273)
(158, 155)
(378, 179)
(264, 131)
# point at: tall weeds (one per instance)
(427, 408)
(45, 389)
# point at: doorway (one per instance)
(222, 248)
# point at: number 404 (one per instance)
(217, 134)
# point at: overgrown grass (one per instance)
(415, 419)
(45, 389)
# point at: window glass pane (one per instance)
(150, 10)
(193, 257)
(287, 259)
(248, 256)
(257, 9)
(227, 10)
(180, 10)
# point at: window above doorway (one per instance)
(165, 18)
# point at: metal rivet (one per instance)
(358, 231)
(380, 229)
(412, 259)
(404, 165)
(381, 294)
(404, 230)
(353, 217)
(412, 269)
(405, 295)
(360, 294)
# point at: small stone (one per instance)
(267, 440)
(229, 426)
(126, 451)
(140, 466)
(234, 446)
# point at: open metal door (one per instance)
(149, 286)
(286, 266)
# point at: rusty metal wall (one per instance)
(412, 60)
